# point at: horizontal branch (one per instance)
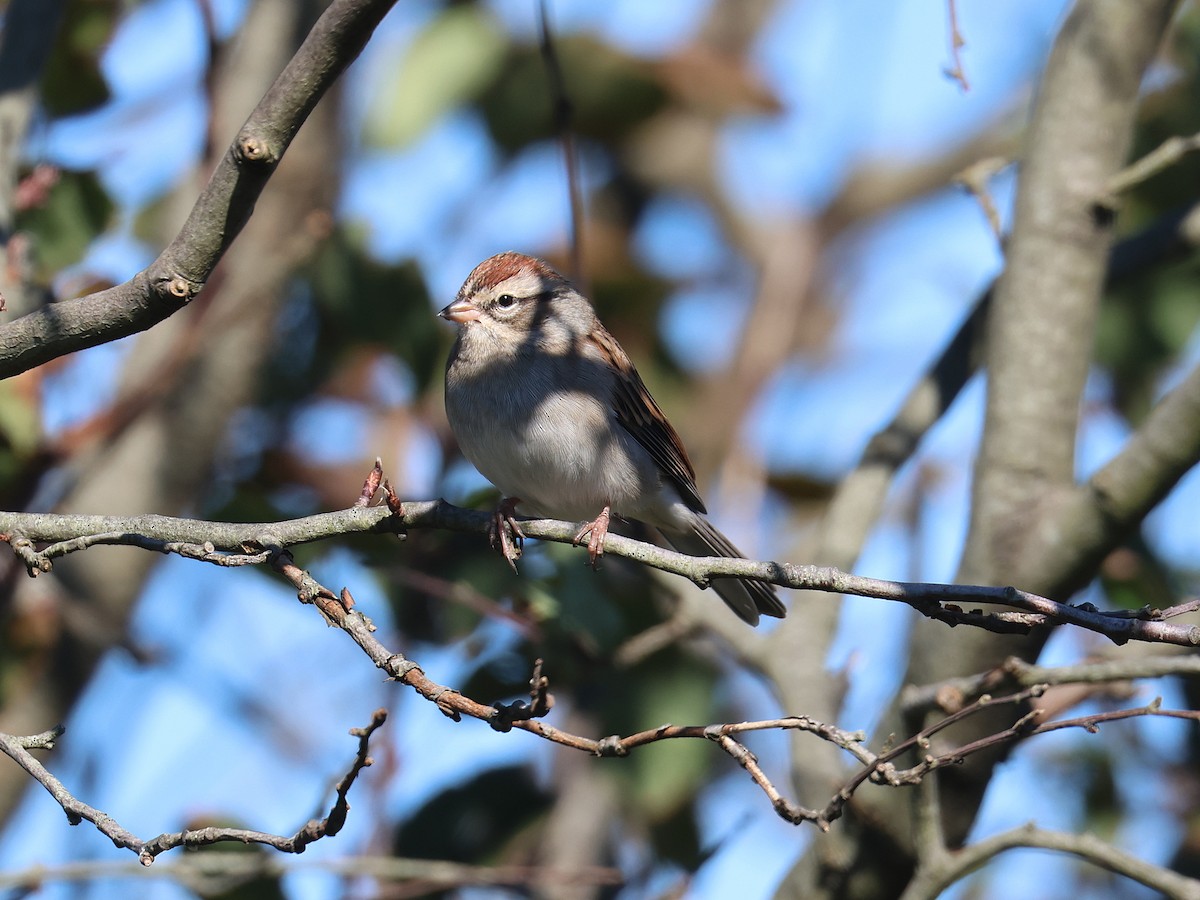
(219, 873)
(954, 865)
(951, 694)
(228, 543)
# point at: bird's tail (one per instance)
(746, 597)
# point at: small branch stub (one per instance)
(181, 289)
(254, 149)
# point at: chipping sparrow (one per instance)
(548, 407)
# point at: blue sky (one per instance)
(861, 80)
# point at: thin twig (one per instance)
(957, 42)
(339, 610)
(1162, 157)
(975, 179)
(953, 694)
(77, 811)
(562, 123)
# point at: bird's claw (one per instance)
(595, 531)
(504, 534)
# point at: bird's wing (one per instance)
(640, 416)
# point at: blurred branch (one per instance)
(1160, 452)
(957, 42)
(1057, 260)
(26, 42)
(975, 178)
(950, 695)
(932, 879)
(464, 595)
(238, 544)
(655, 638)
(562, 124)
(213, 873)
(1165, 155)
(220, 212)
(78, 811)
(858, 500)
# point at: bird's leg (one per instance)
(597, 529)
(504, 534)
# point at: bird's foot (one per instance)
(504, 534)
(595, 531)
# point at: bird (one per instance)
(549, 408)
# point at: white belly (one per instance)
(563, 454)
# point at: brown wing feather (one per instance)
(640, 416)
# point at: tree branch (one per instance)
(235, 544)
(219, 214)
(77, 811)
(1046, 299)
(931, 881)
(215, 873)
(950, 695)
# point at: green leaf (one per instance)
(668, 774)
(18, 420)
(449, 62)
(76, 211)
(72, 82)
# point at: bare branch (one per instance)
(562, 123)
(220, 872)
(338, 610)
(1165, 155)
(226, 543)
(952, 694)
(931, 881)
(78, 811)
(219, 214)
(526, 717)
(1049, 292)
(957, 42)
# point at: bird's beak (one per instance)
(460, 311)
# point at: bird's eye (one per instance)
(506, 301)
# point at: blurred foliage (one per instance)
(20, 431)
(262, 887)
(76, 212)
(72, 82)
(474, 820)
(450, 61)
(610, 92)
(362, 301)
(1149, 318)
